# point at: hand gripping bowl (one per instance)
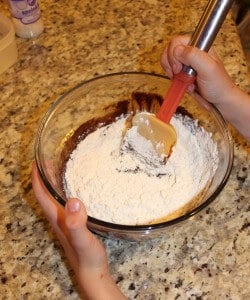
(58, 131)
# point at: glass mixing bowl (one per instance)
(89, 100)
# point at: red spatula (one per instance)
(157, 128)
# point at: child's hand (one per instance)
(213, 82)
(86, 254)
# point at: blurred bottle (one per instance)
(26, 16)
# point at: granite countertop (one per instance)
(205, 259)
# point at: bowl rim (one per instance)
(114, 226)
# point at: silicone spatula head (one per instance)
(157, 128)
(161, 135)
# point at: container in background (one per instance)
(8, 48)
(26, 17)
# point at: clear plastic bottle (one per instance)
(26, 17)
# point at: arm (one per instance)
(236, 110)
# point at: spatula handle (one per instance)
(208, 27)
(202, 38)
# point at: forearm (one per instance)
(99, 286)
(236, 110)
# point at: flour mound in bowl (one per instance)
(123, 186)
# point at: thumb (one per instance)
(75, 221)
(89, 252)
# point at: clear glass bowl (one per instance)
(88, 100)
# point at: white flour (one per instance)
(124, 186)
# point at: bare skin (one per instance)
(212, 82)
(85, 253)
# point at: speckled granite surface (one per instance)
(206, 259)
